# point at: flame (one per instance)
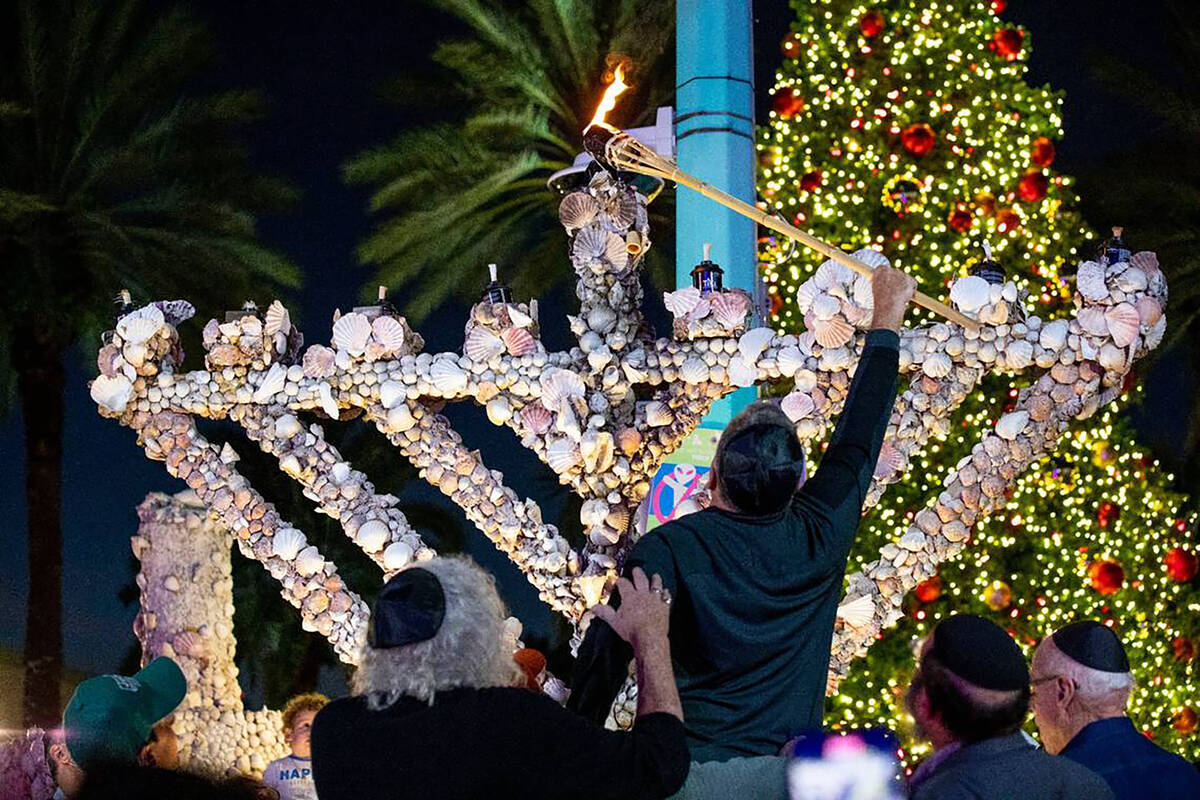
(609, 101)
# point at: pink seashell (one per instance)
(798, 406)
(1092, 320)
(109, 360)
(519, 341)
(188, 643)
(1090, 281)
(856, 315)
(319, 361)
(1123, 322)
(729, 308)
(681, 302)
(700, 310)
(377, 351)
(1149, 310)
(833, 332)
(537, 418)
(212, 333)
(889, 463)
(1146, 261)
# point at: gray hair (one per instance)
(469, 649)
(1097, 690)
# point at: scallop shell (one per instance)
(729, 309)
(272, 383)
(482, 345)
(351, 333)
(319, 361)
(833, 332)
(1123, 323)
(1132, 280)
(1018, 354)
(175, 312)
(388, 332)
(277, 320)
(576, 210)
(589, 244)
(681, 301)
(328, 404)
(806, 380)
(621, 210)
(400, 419)
(518, 317)
(392, 393)
(694, 370)
(1154, 336)
(856, 315)
(537, 418)
(1090, 281)
(112, 393)
(806, 294)
(617, 518)
(789, 360)
(1113, 357)
(889, 463)
(602, 319)
(398, 555)
(1149, 310)
(188, 643)
(700, 310)
(629, 440)
(287, 543)
(448, 377)
(753, 342)
(970, 294)
(598, 450)
(658, 414)
(825, 306)
(519, 341)
(937, 365)
(562, 455)
(797, 406)
(1053, 335)
(1010, 425)
(741, 373)
(372, 535)
(832, 273)
(138, 326)
(858, 612)
(834, 359)
(499, 410)
(1091, 319)
(309, 561)
(559, 386)
(108, 360)
(863, 294)
(1146, 261)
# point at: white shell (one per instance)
(228, 454)
(806, 380)
(577, 209)
(1090, 281)
(858, 612)
(602, 319)
(328, 403)
(833, 332)
(740, 372)
(806, 294)
(447, 376)
(835, 358)
(797, 406)
(969, 294)
(559, 386)
(499, 411)
(272, 384)
(562, 455)
(832, 273)
(889, 462)
(937, 365)
(277, 320)
(537, 418)
(597, 449)
(658, 414)
(1123, 323)
(309, 561)
(287, 542)
(1018, 354)
(863, 295)
(351, 333)
(1011, 424)
(138, 326)
(112, 393)
(789, 360)
(1154, 336)
(518, 317)
(753, 342)
(287, 426)
(1053, 335)
(319, 361)
(681, 301)
(210, 334)
(372, 535)
(729, 308)
(389, 333)
(398, 555)
(825, 306)
(400, 419)
(482, 345)
(1091, 319)
(1113, 357)
(392, 393)
(694, 370)
(1132, 280)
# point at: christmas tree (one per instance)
(908, 126)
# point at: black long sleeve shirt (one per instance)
(755, 597)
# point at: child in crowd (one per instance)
(291, 775)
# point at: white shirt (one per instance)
(292, 777)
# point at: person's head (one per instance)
(971, 683)
(436, 626)
(533, 666)
(1080, 675)
(110, 719)
(759, 462)
(162, 749)
(298, 717)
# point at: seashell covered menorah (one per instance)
(605, 413)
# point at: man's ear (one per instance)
(146, 756)
(1064, 691)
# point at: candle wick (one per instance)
(382, 293)
(708, 251)
(492, 272)
(987, 250)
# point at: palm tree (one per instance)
(110, 176)
(524, 82)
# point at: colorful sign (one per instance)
(682, 475)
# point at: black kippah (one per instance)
(980, 652)
(1092, 645)
(760, 468)
(410, 609)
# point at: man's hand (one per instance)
(892, 290)
(645, 612)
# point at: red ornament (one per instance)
(871, 23)
(792, 45)
(1007, 43)
(810, 180)
(1107, 513)
(961, 220)
(998, 6)
(776, 303)
(1185, 648)
(1181, 565)
(998, 596)
(1042, 152)
(1107, 577)
(918, 138)
(1185, 720)
(1007, 220)
(1032, 186)
(788, 102)
(929, 590)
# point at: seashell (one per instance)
(351, 333)
(835, 358)
(833, 332)
(108, 360)
(741, 373)
(872, 258)
(1112, 357)
(797, 406)
(700, 310)
(1040, 407)
(251, 327)
(629, 440)
(447, 376)
(889, 463)
(636, 243)
(937, 365)
(806, 294)
(994, 314)
(576, 210)
(518, 317)
(858, 612)
(1132, 280)
(682, 301)
(1053, 335)
(832, 273)
(188, 643)
(537, 418)
(912, 541)
(392, 393)
(1146, 261)
(658, 414)
(694, 370)
(309, 561)
(400, 419)
(1154, 336)
(175, 312)
(137, 327)
(272, 383)
(562, 455)
(566, 422)
(1149, 310)
(499, 411)
(230, 330)
(729, 309)
(825, 306)
(135, 354)
(1010, 425)
(398, 555)
(1018, 354)
(617, 518)
(372, 535)
(328, 403)
(856, 315)
(790, 359)
(863, 294)
(622, 209)
(1091, 319)
(211, 333)
(591, 588)
(753, 342)
(112, 393)
(171, 583)
(277, 320)
(970, 294)
(287, 426)
(806, 380)
(388, 332)
(319, 361)
(559, 386)
(597, 449)
(1090, 281)
(1123, 323)
(287, 542)
(519, 341)
(602, 319)
(482, 345)
(228, 454)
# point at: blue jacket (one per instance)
(1132, 765)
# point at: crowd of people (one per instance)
(726, 617)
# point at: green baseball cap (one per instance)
(109, 717)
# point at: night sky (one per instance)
(321, 66)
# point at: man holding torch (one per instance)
(755, 579)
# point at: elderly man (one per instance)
(441, 709)
(969, 697)
(1081, 686)
(757, 576)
